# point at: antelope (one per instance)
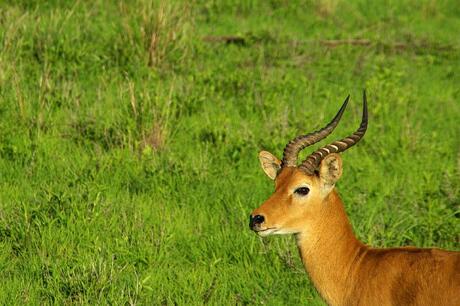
(343, 269)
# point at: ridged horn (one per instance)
(311, 163)
(292, 149)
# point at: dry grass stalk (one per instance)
(19, 96)
(132, 98)
(155, 138)
(165, 26)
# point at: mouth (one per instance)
(266, 232)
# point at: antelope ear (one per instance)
(269, 163)
(330, 171)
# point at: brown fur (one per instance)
(344, 270)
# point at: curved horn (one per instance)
(292, 149)
(312, 162)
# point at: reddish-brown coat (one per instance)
(344, 270)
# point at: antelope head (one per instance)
(301, 190)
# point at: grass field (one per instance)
(129, 136)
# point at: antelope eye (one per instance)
(303, 191)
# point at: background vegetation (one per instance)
(129, 134)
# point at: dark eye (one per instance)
(303, 191)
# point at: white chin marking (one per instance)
(274, 231)
(266, 232)
(284, 232)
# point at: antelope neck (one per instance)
(330, 252)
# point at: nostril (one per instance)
(258, 219)
(255, 220)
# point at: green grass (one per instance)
(128, 143)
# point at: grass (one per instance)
(128, 141)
